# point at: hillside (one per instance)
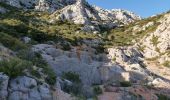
(71, 50)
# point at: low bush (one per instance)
(154, 40)
(97, 90)
(75, 88)
(166, 64)
(71, 76)
(11, 42)
(125, 84)
(14, 67)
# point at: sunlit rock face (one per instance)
(40, 5)
(158, 42)
(82, 12)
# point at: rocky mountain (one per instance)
(79, 12)
(92, 16)
(55, 56)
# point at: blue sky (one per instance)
(144, 8)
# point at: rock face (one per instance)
(40, 5)
(83, 13)
(93, 69)
(132, 60)
(21, 3)
(158, 42)
(3, 86)
(26, 88)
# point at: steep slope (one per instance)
(158, 42)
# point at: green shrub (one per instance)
(71, 76)
(114, 59)
(154, 40)
(99, 49)
(11, 42)
(75, 88)
(66, 47)
(166, 64)
(97, 90)
(14, 67)
(125, 84)
(141, 48)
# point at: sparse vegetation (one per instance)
(141, 48)
(154, 40)
(11, 42)
(14, 67)
(166, 64)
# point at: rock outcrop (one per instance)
(132, 60)
(84, 62)
(27, 88)
(158, 42)
(40, 5)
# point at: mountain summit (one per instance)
(92, 16)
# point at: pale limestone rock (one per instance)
(45, 92)
(157, 81)
(4, 79)
(92, 68)
(27, 88)
(26, 39)
(125, 54)
(162, 34)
